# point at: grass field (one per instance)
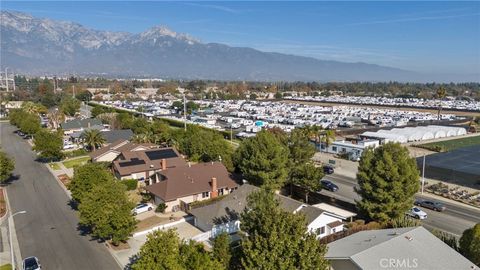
(54, 166)
(450, 145)
(75, 162)
(6, 267)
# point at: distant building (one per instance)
(400, 248)
(353, 150)
(79, 125)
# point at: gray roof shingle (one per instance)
(414, 245)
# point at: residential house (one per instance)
(117, 134)
(399, 248)
(185, 184)
(353, 150)
(110, 152)
(79, 125)
(224, 215)
(141, 164)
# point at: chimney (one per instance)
(164, 164)
(214, 188)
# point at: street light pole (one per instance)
(10, 228)
(184, 113)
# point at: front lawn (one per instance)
(75, 162)
(54, 166)
(6, 267)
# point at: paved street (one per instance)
(455, 219)
(49, 229)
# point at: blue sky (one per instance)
(436, 37)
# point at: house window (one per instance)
(322, 230)
(334, 148)
(333, 230)
(220, 191)
(344, 149)
(205, 194)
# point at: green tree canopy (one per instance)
(470, 244)
(221, 249)
(388, 180)
(278, 239)
(161, 251)
(87, 176)
(70, 106)
(263, 160)
(301, 150)
(29, 123)
(201, 144)
(49, 144)
(308, 176)
(93, 138)
(7, 165)
(164, 251)
(106, 209)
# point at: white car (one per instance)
(31, 263)
(143, 207)
(68, 146)
(415, 212)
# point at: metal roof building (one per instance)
(415, 134)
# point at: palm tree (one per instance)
(441, 93)
(147, 137)
(93, 138)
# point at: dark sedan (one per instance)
(328, 185)
(436, 206)
(328, 170)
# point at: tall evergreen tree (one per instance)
(277, 239)
(470, 244)
(388, 179)
(263, 160)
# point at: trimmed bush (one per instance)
(161, 208)
(131, 184)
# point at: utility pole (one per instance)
(423, 173)
(13, 81)
(6, 78)
(184, 113)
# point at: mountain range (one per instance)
(39, 46)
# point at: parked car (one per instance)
(141, 208)
(328, 185)
(436, 206)
(31, 263)
(21, 133)
(68, 146)
(415, 212)
(328, 169)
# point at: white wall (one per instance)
(322, 221)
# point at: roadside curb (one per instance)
(4, 217)
(69, 194)
(110, 250)
(441, 198)
(17, 252)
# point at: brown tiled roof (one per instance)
(100, 152)
(148, 165)
(334, 224)
(189, 180)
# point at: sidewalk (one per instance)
(5, 255)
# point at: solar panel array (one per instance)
(133, 162)
(161, 154)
